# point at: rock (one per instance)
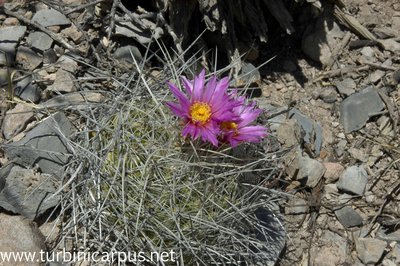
(276, 114)
(28, 58)
(67, 63)
(50, 17)
(45, 145)
(396, 252)
(348, 217)
(65, 79)
(310, 170)
(396, 77)
(393, 236)
(368, 52)
(376, 76)
(370, 250)
(312, 130)
(64, 82)
(329, 95)
(346, 87)
(390, 45)
(333, 172)
(10, 22)
(356, 109)
(9, 38)
(334, 250)
(16, 119)
(78, 100)
(358, 154)
(319, 37)
(270, 221)
(49, 57)
(28, 91)
(340, 147)
(387, 262)
(18, 234)
(249, 73)
(330, 194)
(344, 199)
(286, 133)
(144, 36)
(125, 53)
(369, 197)
(39, 40)
(26, 192)
(73, 33)
(353, 180)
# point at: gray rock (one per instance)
(126, 28)
(319, 37)
(28, 91)
(39, 40)
(75, 100)
(18, 234)
(356, 109)
(45, 145)
(376, 76)
(310, 170)
(312, 130)
(296, 206)
(353, 180)
(358, 154)
(368, 52)
(348, 217)
(277, 115)
(9, 38)
(65, 82)
(28, 58)
(370, 250)
(396, 253)
(271, 231)
(346, 86)
(16, 119)
(50, 17)
(4, 73)
(249, 73)
(390, 45)
(393, 236)
(26, 192)
(49, 56)
(329, 95)
(125, 53)
(340, 147)
(65, 75)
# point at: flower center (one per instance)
(200, 112)
(228, 126)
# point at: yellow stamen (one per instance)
(229, 125)
(200, 112)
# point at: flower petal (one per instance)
(177, 109)
(179, 95)
(198, 86)
(210, 89)
(188, 85)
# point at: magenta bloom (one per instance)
(204, 107)
(239, 130)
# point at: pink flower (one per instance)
(204, 106)
(238, 130)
